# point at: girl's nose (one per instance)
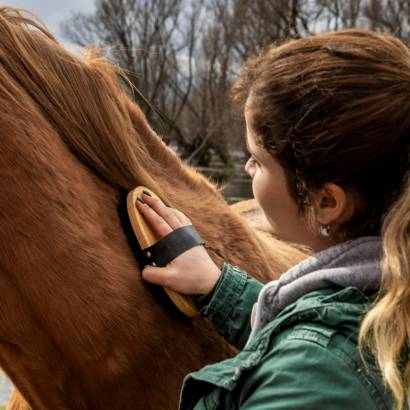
(248, 167)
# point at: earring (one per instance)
(324, 230)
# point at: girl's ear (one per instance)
(333, 205)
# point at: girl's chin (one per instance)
(273, 228)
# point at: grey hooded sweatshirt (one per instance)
(353, 263)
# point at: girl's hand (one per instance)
(192, 272)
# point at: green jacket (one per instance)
(305, 358)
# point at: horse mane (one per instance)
(81, 98)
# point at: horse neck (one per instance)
(75, 312)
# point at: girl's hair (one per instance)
(336, 108)
(385, 330)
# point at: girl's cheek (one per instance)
(256, 187)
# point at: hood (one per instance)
(354, 263)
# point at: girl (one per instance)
(327, 127)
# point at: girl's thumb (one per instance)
(155, 275)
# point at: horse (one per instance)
(79, 329)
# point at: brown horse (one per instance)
(79, 329)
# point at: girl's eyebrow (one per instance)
(251, 152)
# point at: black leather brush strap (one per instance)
(172, 245)
(165, 250)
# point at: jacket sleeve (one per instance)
(300, 374)
(230, 303)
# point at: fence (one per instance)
(238, 186)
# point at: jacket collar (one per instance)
(354, 263)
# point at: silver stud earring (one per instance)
(324, 230)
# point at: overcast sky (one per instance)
(52, 12)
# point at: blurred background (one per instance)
(183, 55)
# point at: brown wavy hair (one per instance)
(335, 108)
(385, 330)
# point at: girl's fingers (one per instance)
(182, 217)
(169, 215)
(156, 222)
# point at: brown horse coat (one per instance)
(79, 329)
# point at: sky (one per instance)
(52, 12)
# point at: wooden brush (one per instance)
(146, 238)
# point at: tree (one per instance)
(183, 55)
